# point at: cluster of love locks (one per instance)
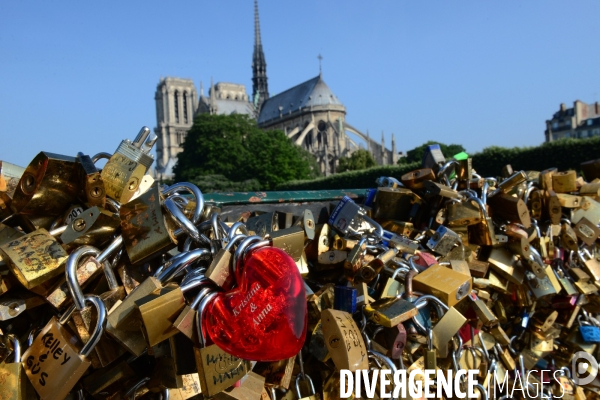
(115, 286)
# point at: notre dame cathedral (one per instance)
(309, 113)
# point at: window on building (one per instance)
(176, 108)
(555, 125)
(590, 122)
(583, 134)
(185, 108)
(567, 123)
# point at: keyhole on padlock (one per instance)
(95, 192)
(309, 224)
(79, 224)
(133, 184)
(28, 183)
(334, 341)
(13, 309)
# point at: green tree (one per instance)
(234, 147)
(416, 154)
(360, 159)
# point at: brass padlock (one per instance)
(587, 231)
(159, 309)
(106, 350)
(389, 312)
(552, 209)
(564, 182)
(93, 186)
(49, 185)
(396, 204)
(123, 323)
(14, 384)
(344, 340)
(510, 208)
(217, 369)
(448, 285)
(503, 262)
(52, 365)
(86, 272)
(592, 265)
(125, 169)
(311, 394)
(278, 373)
(462, 213)
(414, 179)
(34, 258)
(146, 230)
(482, 233)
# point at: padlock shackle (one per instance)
(141, 137)
(481, 389)
(102, 155)
(111, 249)
(216, 227)
(234, 228)
(58, 231)
(201, 294)
(484, 191)
(181, 220)
(201, 308)
(193, 189)
(71, 273)
(238, 256)
(444, 172)
(180, 262)
(16, 348)
(233, 240)
(100, 325)
(131, 392)
(312, 387)
(374, 224)
(408, 282)
(195, 282)
(481, 205)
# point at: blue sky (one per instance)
(81, 76)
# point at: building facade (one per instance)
(309, 113)
(580, 121)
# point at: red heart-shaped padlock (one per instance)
(265, 317)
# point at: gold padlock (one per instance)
(54, 376)
(448, 285)
(14, 384)
(125, 169)
(34, 258)
(564, 182)
(344, 340)
(49, 185)
(146, 230)
(217, 369)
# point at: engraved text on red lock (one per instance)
(265, 317)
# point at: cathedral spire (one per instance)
(260, 87)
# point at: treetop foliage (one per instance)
(416, 154)
(360, 159)
(234, 147)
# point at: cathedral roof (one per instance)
(313, 92)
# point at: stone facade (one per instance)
(176, 105)
(580, 121)
(309, 113)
